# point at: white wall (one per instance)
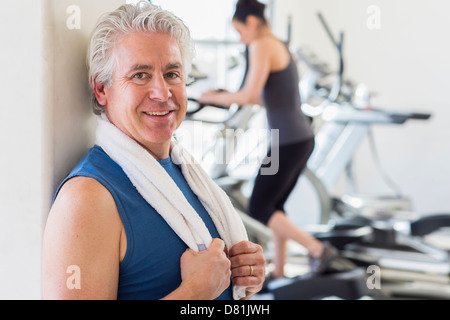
(21, 141)
(44, 124)
(405, 62)
(72, 117)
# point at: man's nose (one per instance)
(159, 89)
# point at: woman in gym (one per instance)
(272, 80)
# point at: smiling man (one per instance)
(147, 98)
(129, 222)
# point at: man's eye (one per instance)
(140, 76)
(174, 77)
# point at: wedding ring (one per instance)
(251, 271)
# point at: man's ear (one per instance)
(99, 91)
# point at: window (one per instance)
(216, 42)
(207, 19)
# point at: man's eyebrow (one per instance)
(175, 65)
(146, 67)
(141, 67)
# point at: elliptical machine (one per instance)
(395, 240)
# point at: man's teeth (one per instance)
(163, 113)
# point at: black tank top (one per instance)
(281, 97)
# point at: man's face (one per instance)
(147, 99)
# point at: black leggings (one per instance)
(271, 191)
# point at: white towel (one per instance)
(156, 186)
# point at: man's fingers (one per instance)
(217, 244)
(244, 247)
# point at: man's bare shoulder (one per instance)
(85, 192)
(83, 229)
(84, 204)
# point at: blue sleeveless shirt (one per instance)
(151, 266)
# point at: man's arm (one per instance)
(82, 243)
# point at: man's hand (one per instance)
(206, 274)
(247, 266)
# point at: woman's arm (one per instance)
(258, 72)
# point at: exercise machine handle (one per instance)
(420, 116)
(232, 111)
(426, 225)
(338, 44)
(201, 106)
(403, 116)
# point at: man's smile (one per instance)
(157, 113)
